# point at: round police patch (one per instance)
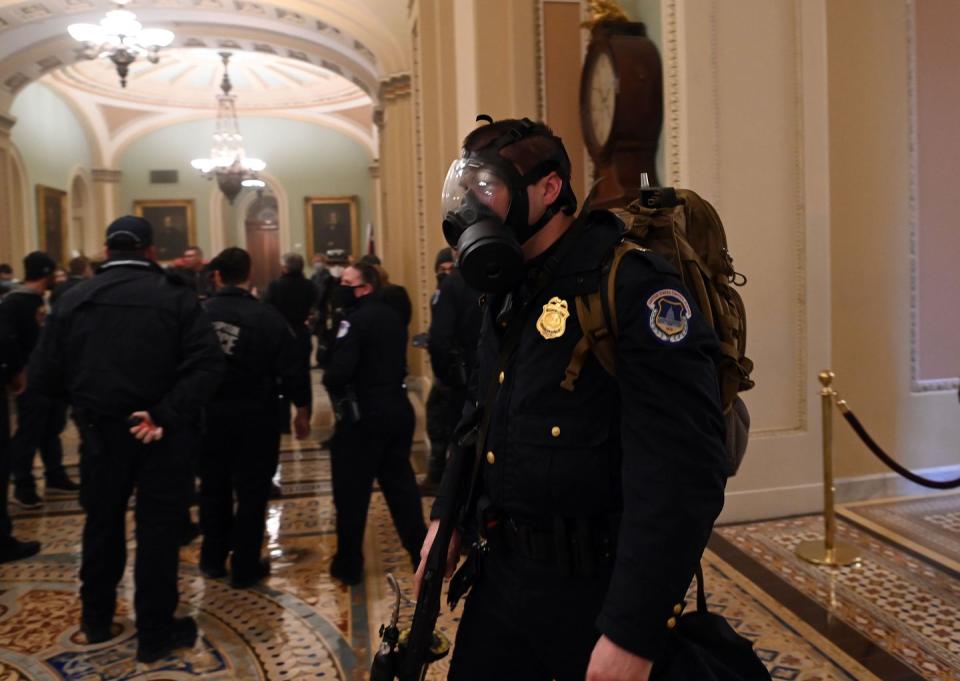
(669, 315)
(344, 329)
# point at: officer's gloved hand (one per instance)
(145, 429)
(301, 423)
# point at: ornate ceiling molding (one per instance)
(352, 38)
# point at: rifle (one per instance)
(405, 655)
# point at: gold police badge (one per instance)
(553, 321)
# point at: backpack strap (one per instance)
(597, 314)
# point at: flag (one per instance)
(371, 247)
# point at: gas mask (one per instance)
(480, 186)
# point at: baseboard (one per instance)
(771, 502)
(883, 485)
(779, 502)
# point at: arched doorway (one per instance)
(262, 227)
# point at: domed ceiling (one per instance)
(189, 78)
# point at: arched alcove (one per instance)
(81, 233)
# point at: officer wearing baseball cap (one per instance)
(134, 354)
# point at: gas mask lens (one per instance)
(474, 178)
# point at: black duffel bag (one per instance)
(704, 647)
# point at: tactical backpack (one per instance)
(685, 230)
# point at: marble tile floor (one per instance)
(894, 618)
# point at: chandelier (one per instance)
(228, 162)
(120, 38)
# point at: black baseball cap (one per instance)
(38, 265)
(129, 233)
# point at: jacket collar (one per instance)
(602, 232)
(132, 261)
(233, 292)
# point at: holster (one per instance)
(91, 439)
(468, 573)
(347, 408)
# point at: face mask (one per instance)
(346, 298)
(490, 257)
(440, 277)
(336, 271)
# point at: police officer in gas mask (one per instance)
(595, 499)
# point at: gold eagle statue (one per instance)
(603, 11)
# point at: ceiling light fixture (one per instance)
(228, 162)
(120, 38)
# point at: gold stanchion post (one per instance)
(828, 551)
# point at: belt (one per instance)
(579, 545)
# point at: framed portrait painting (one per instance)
(52, 222)
(173, 225)
(332, 222)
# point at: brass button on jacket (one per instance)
(555, 431)
(677, 609)
(490, 457)
(671, 623)
(502, 377)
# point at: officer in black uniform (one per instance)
(242, 439)
(375, 422)
(329, 312)
(294, 296)
(134, 354)
(39, 419)
(454, 329)
(12, 376)
(596, 502)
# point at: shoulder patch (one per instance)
(344, 329)
(669, 315)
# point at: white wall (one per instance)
(51, 142)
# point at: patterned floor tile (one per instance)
(909, 608)
(929, 525)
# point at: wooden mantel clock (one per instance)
(621, 109)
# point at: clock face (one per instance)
(602, 97)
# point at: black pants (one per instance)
(376, 448)
(40, 421)
(444, 408)
(304, 348)
(113, 464)
(526, 620)
(238, 460)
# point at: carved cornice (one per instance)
(396, 87)
(106, 175)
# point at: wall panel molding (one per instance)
(917, 384)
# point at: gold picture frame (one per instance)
(52, 223)
(173, 225)
(332, 222)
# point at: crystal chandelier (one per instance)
(120, 38)
(228, 162)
